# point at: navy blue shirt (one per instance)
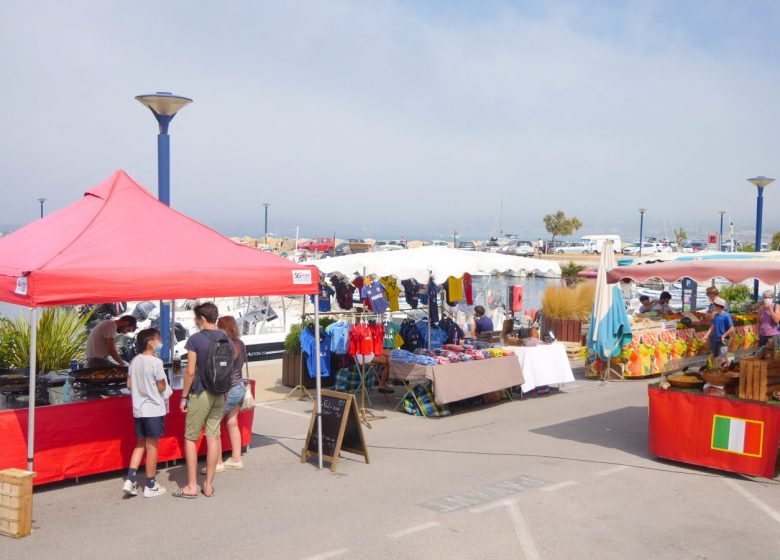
(484, 324)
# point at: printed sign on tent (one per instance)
(301, 276)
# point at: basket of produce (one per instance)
(721, 378)
(685, 381)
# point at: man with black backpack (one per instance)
(207, 380)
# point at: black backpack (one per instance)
(217, 377)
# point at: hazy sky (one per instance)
(400, 118)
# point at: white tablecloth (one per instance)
(546, 364)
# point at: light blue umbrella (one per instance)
(610, 328)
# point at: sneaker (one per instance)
(130, 488)
(157, 490)
(220, 468)
(234, 465)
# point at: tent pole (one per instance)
(33, 375)
(319, 380)
(173, 329)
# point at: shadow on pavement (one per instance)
(624, 429)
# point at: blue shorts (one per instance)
(234, 397)
(152, 427)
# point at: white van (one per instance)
(596, 242)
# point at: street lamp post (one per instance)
(760, 182)
(720, 237)
(266, 205)
(41, 200)
(164, 106)
(454, 238)
(641, 228)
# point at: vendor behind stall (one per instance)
(481, 323)
(662, 306)
(101, 344)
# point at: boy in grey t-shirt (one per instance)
(149, 389)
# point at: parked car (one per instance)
(551, 246)
(344, 248)
(440, 243)
(317, 245)
(466, 246)
(518, 248)
(647, 249)
(577, 247)
(387, 246)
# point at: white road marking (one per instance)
(522, 532)
(760, 504)
(291, 412)
(612, 470)
(326, 555)
(559, 486)
(521, 529)
(412, 530)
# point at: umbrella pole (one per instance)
(33, 376)
(319, 374)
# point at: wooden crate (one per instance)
(16, 502)
(755, 376)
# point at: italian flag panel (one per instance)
(737, 435)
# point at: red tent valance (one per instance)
(119, 243)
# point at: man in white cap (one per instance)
(721, 328)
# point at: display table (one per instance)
(95, 436)
(724, 433)
(545, 364)
(653, 352)
(462, 380)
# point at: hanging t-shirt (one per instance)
(433, 304)
(325, 293)
(391, 340)
(374, 293)
(339, 337)
(411, 292)
(344, 291)
(361, 340)
(308, 347)
(392, 291)
(455, 290)
(467, 290)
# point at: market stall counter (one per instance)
(543, 364)
(93, 436)
(725, 433)
(458, 381)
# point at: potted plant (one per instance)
(565, 309)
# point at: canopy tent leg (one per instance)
(318, 377)
(33, 378)
(303, 393)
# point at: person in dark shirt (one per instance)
(481, 323)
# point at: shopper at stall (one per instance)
(204, 407)
(101, 344)
(721, 328)
(481, 323)
(645, 305)
(712, 293)
(149, 390)
(768, 327)
(662, 306)
(234, 398)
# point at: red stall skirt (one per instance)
(723, 433)
(91, 437)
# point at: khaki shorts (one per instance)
(204, 409)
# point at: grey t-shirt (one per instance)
(199, 343)
(145, 371)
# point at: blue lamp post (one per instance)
(641, 228)
(720, 238)
(760, 182)
(41, 200)
(265, 229)
(164, 106)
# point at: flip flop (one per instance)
(202, 491)
(385, 390)
(180, 494)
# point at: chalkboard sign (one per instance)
(341, 429)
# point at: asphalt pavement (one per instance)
(562, 476)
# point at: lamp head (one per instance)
(761, 181)
(41, 200)
(642, 210)
(164, 106)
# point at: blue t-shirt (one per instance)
(325, 293)
(308, 346)
(484, 324)
(375, 293)
(721, 323)
(339, 337)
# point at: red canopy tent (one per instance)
(119, 243)
(768, 271)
